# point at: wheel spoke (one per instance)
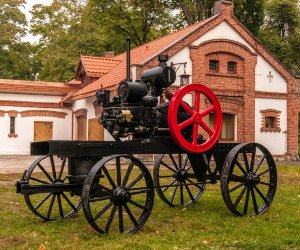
(118, 165)
(246, 161)
(181, 195)
(102, 211)
(62, 168)
(168, 167)
(246, 202)
(240, 167)
(254, 201)
(137, 179)
(185, 161)
(195, 134)
(261, 194)
(38, 180)
(259, 164)
(128, 172)
(51, 206)
(111, 181)
(186, 108)
(206, 128)
(110, 219)
(207, 111)
(180, 161)
(170, 184)
(253, 158)
(264, 183)
(53, 166)
(237, 201)
(45, 172)
(186, 123)
(60, 206)
(106, 189)
(130, 215)
(195, 184)
(236, 187)
(189, 192)
(197, 102)
(173, 161)
(95, 199)
(121, 223)
(140, 192)
(137, 205)
(263, 172)
(42, 201)
(69, 202)
(173, 194)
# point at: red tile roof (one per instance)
(35, 87)
(97, 66)
(139, 55)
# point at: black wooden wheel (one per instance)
(248, 179)
(175, 181)
(118, 194)
(50, 206)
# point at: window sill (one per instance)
(12, 135)
(274, 130)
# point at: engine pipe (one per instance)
(128, 59)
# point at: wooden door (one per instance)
(95, 130)
(43, 131)
(81, 128)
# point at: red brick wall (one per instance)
(242, 85)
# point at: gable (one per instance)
(222, 31)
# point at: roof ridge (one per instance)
(99, 57)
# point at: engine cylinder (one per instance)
(132, 91)
(159, 78)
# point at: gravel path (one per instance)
(19, 163)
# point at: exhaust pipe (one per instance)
(128, 59)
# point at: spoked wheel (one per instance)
(196, 118)
(175, 181)
(49, 206)
(248, 179)
(118, 195)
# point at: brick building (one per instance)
(260, 98)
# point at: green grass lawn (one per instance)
(205, 225)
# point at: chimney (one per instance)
(108, 54)
(223, 7)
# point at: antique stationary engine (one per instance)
(136, 110)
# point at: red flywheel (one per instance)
(204, 103)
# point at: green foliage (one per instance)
(281, 32)
(250, 13)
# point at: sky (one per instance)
(25, 10)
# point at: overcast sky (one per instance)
(28, 7)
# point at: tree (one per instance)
(141, 20)
(281, 32)
(13, 28)
(65, 35)
(249, 12)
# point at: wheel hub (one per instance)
(181, 175)
(252, 179)
(121, 196)
(197, 118)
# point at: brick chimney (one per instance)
(223, 7)
(108, 54)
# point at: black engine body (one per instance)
(135, 111)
